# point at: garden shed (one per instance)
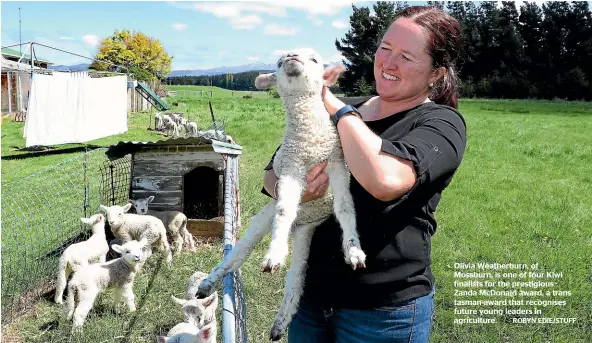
(193, 175)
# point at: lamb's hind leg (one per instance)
(294, 280)
(289, 193)
(260, 225)
(343, 206)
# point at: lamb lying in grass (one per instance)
(80, 254)
(90, 280)
(309, 138)
(189, 333)
(175, 223)
(127, 227)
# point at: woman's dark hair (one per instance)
(443, 44)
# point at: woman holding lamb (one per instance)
(402, 148)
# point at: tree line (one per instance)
(508, 51)
(244, 81)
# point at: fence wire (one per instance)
(41, 218)
(233, 296)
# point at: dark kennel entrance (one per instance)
(202, 193)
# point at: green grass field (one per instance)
(521, 196)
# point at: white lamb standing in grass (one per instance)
(77, 255)
(172, 129)
(191, 128)
(92, 279)
(128, 226)
(175, 223)
(189, 333)
(309, 138)
(158, 124)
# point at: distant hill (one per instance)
(76, 67)
(224, 70)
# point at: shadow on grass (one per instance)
(49, 152)
(128, 331)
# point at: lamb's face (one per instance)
(115, 214)
(194, 309)
(133, 252)
(298, 71)
(141, 205)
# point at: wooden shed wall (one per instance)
(159, 171)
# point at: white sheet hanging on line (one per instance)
(75, 108)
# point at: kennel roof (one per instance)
(129, 147)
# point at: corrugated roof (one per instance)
(16, 53)
(126, 147)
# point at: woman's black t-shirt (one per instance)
(395, 235)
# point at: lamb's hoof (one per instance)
(356, 258)
(276, 334)
(59, 301)
(268, 266)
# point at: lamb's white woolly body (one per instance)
(127, 227)
(175, 222)
(90, 280)
(80, 254)
(309, 138)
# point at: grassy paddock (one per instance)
(519, 197)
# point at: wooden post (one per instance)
(8, 76)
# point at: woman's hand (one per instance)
(332, 104)
(317, 183)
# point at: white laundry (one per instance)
(75, 108)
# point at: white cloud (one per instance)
(66, 38)
(247, 22)
(339, 24)
(179, 26)
(90, 40)
(274, 29)
(242, 14)
(253, 58)
(316, 21)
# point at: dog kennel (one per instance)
(185, 174)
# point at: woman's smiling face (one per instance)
(402, 66)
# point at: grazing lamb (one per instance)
(172, 129)
(191, 128)
(158, 124)
(80, 254)
(127, 226)
(189, 333)
(90, 280)
(309, 138)
(175, 223)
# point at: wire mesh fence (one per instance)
(41, 218)
(233, 301)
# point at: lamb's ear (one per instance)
(117, 248)
(209, 300)
(264, 81)
(178, 301)
(150, 198)
(104, 208)
(127, 207)
(206, 331)
(162, 339)
(86, 221)
(332, 73)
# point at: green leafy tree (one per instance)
(142, 55)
